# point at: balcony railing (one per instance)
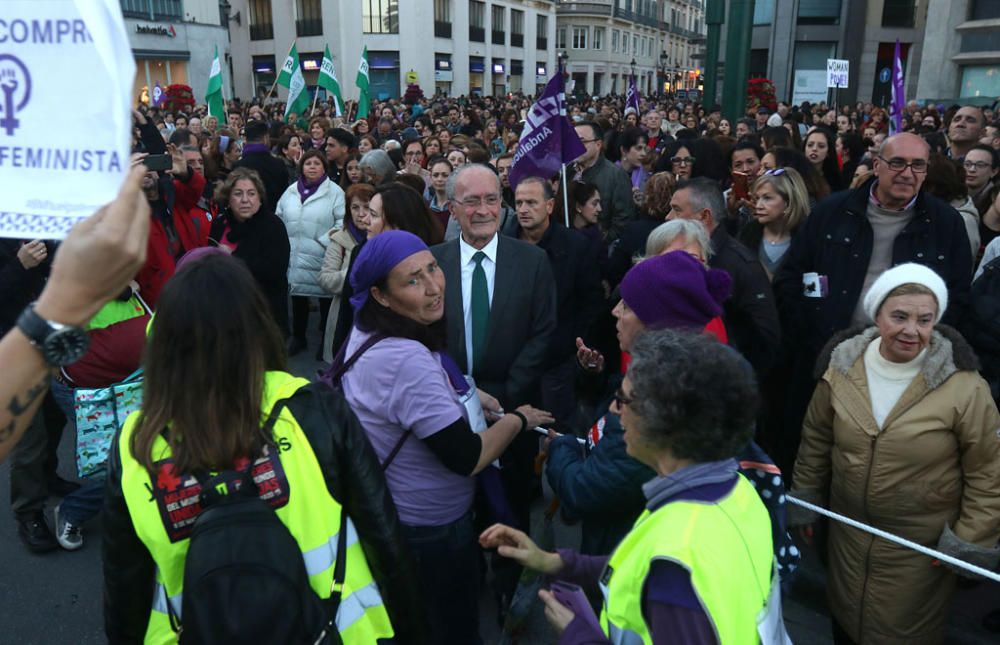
(477, 34)
(442, 29)
(309, 27)
(262, 32)
(517, 40)
(541, 42)
(159, 10)
(498, 38)
(589, 8)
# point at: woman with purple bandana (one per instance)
(399, 382)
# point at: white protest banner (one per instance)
(66, 73)
(837, 72)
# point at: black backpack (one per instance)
(244, 576)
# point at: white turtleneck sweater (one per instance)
(887, 380)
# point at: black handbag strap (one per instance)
(396, 449)
(340, 366)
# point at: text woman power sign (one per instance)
(66, 74)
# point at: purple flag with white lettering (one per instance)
(548, 140)
(898, 93)
(632, 96)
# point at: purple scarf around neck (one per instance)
(255, 148)
(308, 189)
(355, 232)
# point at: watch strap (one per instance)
(36, 328)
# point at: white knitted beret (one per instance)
(908, 273)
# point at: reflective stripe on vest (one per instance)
(162, 509)
(727, 549)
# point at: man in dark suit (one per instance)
(500, 304)
(257, 156)
(521, 292)
(575, 268)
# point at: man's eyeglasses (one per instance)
(588, 140)
(918, 166)
(683, 161)
(621, 398)
(472, 202)
(976, 165)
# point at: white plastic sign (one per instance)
(66, 73)
(837, 72)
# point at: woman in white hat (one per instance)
(901, 434)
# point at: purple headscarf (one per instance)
(377, 258)
(196, 254)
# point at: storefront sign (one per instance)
(57, 172)
(156, 30)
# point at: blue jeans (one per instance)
(85, 502)
(448, 566)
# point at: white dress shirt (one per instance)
(468, 266)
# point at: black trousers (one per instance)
(300, 315)
(33, 462)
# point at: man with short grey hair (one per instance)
(750, 314)
(500, 307)
(846, 243)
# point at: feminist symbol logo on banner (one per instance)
(15, 90)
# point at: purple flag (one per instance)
(898, 93)
(548, 140)
(632, 96)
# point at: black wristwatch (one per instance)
(59, 344)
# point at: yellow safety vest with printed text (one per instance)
(311, 514)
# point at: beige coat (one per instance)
(332, 277)
(932, 475)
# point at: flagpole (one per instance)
(312, 112)
(565, 196)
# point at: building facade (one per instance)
(961, 54)
(604, 41)
(174, 41)
(457, 47)
(793, 39)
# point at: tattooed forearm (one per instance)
(19, 405)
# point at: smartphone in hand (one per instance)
(741, 185)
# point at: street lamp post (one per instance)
(664, 62)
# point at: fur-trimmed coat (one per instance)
(931, 475)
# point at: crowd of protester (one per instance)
(835, 261)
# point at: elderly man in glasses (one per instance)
(500, 307)
(851, 238)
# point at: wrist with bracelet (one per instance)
(524, 420)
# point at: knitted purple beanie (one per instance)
(674, 290)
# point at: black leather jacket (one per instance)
(353, 477)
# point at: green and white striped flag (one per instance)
(328, 81)
(213, 93)
(291, 64)
(298, 96)
(361, 82)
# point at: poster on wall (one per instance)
(809, 85)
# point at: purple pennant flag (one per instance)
(157, 95)
(548, 140)
(898, 93)
(632, 96)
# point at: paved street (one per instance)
(56, 598)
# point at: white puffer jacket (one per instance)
(308, 226)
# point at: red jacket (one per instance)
(192, 225)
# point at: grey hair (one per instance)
(705, 193)
(692, 395)
(464, 168)
(379, 162)
(546, 186)
(689, 230)
(391, 144)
